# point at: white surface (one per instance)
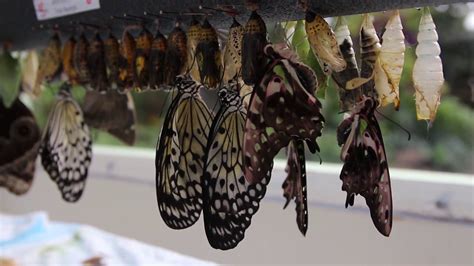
(48, 9)
(433, 216)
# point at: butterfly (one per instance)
(278, 113)
(19, 143)
(66, 146)
(113, 112)
(180, 154)
(294, 186)
(229, 200)
(365, 169)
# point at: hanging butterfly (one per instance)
(253, 42)
(229, 200)
(294, 186)
(19, 143)
(112, 60)
(97, 65)
(50, 62)
(66, 147)
(347, 98)
(144, 42)
(365, 169)
(157, 60)
(67, 57)
(232, 59)
(112, 112)
(180, 154)
(176, 54)
(208, 56)
(278, 114)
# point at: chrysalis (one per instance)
(157, 61)
(50, 62)
(232, 59)
(66, 146)
(30, 73)
(323, 43)
(365, 169)
(80, 60)
(176, 54)
(347, 97)
(97, 66)
(19, 143)
(144, 42)
(127, 61)
(112, 112)
(194, 34)
(428, 69)
(208, 56)
(389, 66)
(112, 60)
(68, 61)
(253, 42)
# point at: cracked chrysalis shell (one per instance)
(208, 56)
(193, 35)
(232, 59)
(253, 42)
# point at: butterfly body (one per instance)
(365, 169)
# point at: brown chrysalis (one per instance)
(50, 61)
(142, 56)
(157, 60)
(127, 63)
(80, 59)
(19, 142)
(67, 60)
(97, 66)
(253, 42)
(176, 54)
(112, 60)
(208, 56)
(194, 33)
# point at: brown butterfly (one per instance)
(112, 112)
(253, 43)
(19, 142)
(278, 114)
(365, 169)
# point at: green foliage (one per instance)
(10, 78)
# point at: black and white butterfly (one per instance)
(66, 148)
(229, 200)
(180, 155)
(365, 169)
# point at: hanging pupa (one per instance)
(157, 60)
(144, 42)
(127, 65)
(428, 75)
(68, 62)
(253, 43)
(112, 60)
(323, 43)
(347, 98)
(50, 62)
(194, 33)
(176, 54)
(97, 66)
(232, 59)
(389, 66)
(208, 56)
(80, 59)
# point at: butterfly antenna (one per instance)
(396, 123)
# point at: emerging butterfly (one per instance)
(19, 143)
(66, 148)
(294, 186)
(180, 155)
(229, 200)
(365, 169)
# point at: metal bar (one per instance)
(17, 18)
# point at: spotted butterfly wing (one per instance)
(180, 156)
(19, 143)
(365, 169)
(66, 147)
(294, 186)
(229, 200)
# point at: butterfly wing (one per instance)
(19, 143)
(66, 148)
(365, 169)
(179, 160)
(230, 201)
(294, 186)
